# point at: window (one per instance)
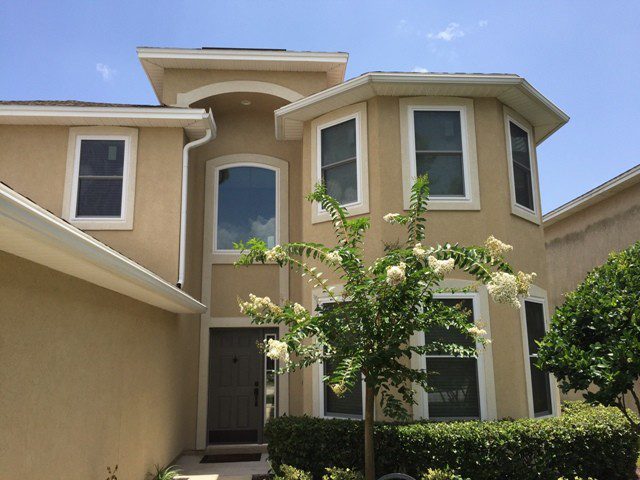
(438, 151)
(270, 383)
(454, 382)
(438, 139)
(339, 158)
(522, 167)
(350, 405)
(100, 178)
(540, 381)
(246, 205)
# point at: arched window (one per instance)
(246, 205)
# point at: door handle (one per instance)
(256, 392)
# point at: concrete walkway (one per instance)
(191, 468)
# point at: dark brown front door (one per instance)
(236, 384)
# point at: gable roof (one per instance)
(593, 196)
(156, 60)
(31, 232)
(512, 90)
(194, 121)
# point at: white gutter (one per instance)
(209, 135)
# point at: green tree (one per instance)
(367, 335)
(594, 339)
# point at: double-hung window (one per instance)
(522, 169)
(101, 179)
(438, 140)
(349, 405)
(539, 380)
(454, 381)
(339, 159)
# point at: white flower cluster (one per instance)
(259, 306)
(277, 350)
(503, 288)
(339, 389)
(419, 252)
(334, 257)
(299, 309)
(524, 281)
(476, 331)
(496, 247)
(396, 274)
(276, 254)
(440, 267)
(391, 218)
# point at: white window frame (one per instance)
(471, 198)
(517, 209)
(318, 372)
(359, 113)
(76, 136)
(423, 400)
(281, 178)
(537, 295)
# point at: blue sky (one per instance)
(583, 55)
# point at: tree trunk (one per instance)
(369, 457)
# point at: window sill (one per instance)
(101, 224)
(525, 214)
(452, 204)
(321, 216)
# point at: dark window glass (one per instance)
(540, 381)
(454, 391)
(520, 154)
(100, 178)
(246, 206)
(438, 141)
(339, 161)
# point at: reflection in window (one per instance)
(454, 386)
(338, 163)
(438, 149)
(246, 206)
(270, 383)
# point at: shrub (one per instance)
(437, 474)
(335, 473)
(287, 472)
(585, 442)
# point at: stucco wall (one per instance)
(90, 378)
(33, 161)
(582, 241)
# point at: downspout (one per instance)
(210, 134)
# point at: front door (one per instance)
(236, 385)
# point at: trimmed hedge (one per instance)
(585, 441)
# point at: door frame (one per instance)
(210, 259)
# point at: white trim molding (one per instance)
(33, 233)
(471, 198)
(187, 98)
(70, 199)
(537, 295)
(521, 211)
(359, 113)
(486, 382)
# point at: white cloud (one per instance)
(420, 70)
(450, 33)
(483, 23)
(105, 71)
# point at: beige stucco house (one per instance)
(121, 340)
(580, 234)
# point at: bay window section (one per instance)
(540, 380)
(245, 206)
(454, 381)
(439, 151)
(339, 161)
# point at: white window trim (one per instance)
(517, 209)
(359, 113)
(260, 161)
(471, 200)
(320, 297)
(70, 199)
(486, 381)
(537, 295)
